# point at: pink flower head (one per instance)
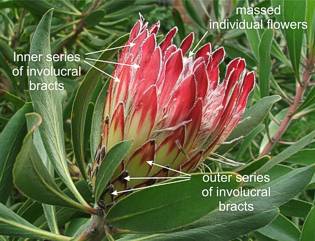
(171, 102)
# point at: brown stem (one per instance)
(95, 231)
(299, 93)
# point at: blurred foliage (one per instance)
(81, 26)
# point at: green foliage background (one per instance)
(43, 189)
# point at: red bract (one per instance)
(171, 103)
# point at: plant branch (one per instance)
(299, 93)
(79, 27)
(96, 229)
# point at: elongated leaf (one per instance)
(310, 18)
(49, 210)
(304, 157)
(253, 166)
(288, 152)
(10, 143)
(222, 228)
(179, 23)
(81, 104)
(37, 8)
(248, 139)
(13, 225)
(272, 128)
(226, 226)
(96, 126)
(94, 18)
(265, 62)
(278, 53)
(17, 101)
(281, 229)
(109, 165)
(117, 5)
(252, 36)
(8, 4)
(308, 232)
(296, 208)
(294, 11)
(32, 178)
(310, 99)
(167, 207)
(193, 14)
(49, 105)
(252, 117)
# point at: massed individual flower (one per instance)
(171, 103)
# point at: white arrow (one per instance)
(136, 66)
(128, 178)
(115, 193)
(113, 77)
(158, 165)
(108, 49)
(192, 52)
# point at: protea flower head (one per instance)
(170, 103)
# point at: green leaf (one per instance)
(10, 143)
(39, 7)
(254, 115)
(308, 232)
(226, 226)
(294, 11)
(49, 210)
(8, 4)
(97, 116)
(221, 228)
(248, 140)
(310, 99)
(179, 23)
(288, 152)
(2, 238)
(296, 208)
(310, 18)
(193, 14)
(272, 127)
(252, 36)
(252, 118)
(304, 157)
(236, 50)
(117, 5)
(36, 7)
(278, 53)
(13, 225)
(111, 162)
(265, 62)
(50, 215)
(49, 105)
(281, 229)
(166, 207)
(32, 178)
(253, 166)
(17, 101)
(94, 18)
(81, 104)
(6, 50)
